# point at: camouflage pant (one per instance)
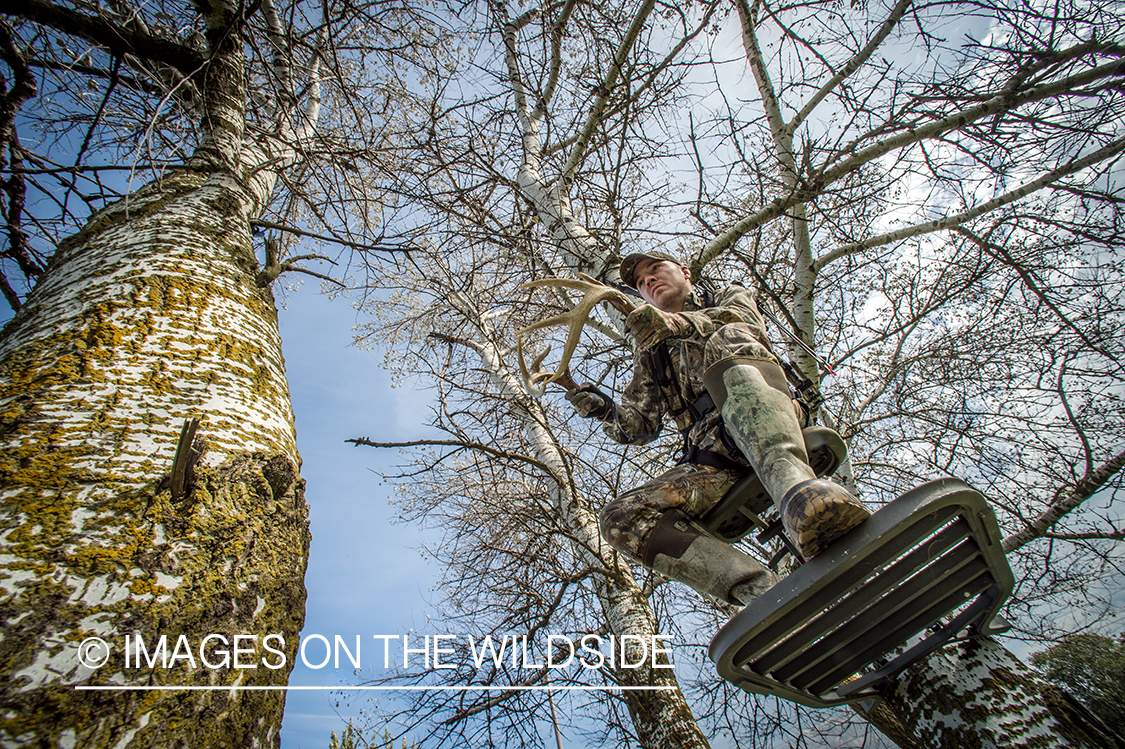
(627, 521)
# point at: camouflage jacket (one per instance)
(668, 385)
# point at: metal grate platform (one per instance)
(839, 627)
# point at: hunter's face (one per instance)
(663, 284)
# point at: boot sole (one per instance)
(829, 521)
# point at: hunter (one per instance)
(705, 363)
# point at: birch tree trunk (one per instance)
(979, 694)
(660, 717)
(151, 315)
(148, 317)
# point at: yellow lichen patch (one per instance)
(40, 465)
(37, 367)
(149, 316)
(247, 542)
(90, 560)
(147, 586)
(38, 568)
(45, 521)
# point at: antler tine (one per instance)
(535, 375)
(538, 374)
(595, 293)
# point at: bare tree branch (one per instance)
(120, 39)
(1065, 502)
(1103, 154)
(462, 445)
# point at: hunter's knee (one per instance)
(617, 518)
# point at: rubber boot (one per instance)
(753, 397)
(679, 550)
(816, 513)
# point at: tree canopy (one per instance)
(99, 99)
(149, 474)
(1092, 667)
(928, 196)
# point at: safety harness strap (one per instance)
(697, 409)
(693, 454)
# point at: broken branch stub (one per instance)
(595, 293)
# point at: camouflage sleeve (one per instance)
(639, 415)
(733, 304)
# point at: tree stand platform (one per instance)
(843, 625)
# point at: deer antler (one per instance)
(595, 293)
(536, 374)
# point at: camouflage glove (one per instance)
(590, 403)
(650, 325)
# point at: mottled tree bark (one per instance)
(147, 317)
(977, 694)
(972, 695)
(661, 717)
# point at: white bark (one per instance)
(552, 202)
(979, 694)
(661, 719)
(147, 317)
(159, 314)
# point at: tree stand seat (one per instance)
(844, 624)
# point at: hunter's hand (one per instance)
(650, 325)
(590, 403)
(622, 303)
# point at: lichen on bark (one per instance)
(147, 316)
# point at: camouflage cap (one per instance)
(629, 264)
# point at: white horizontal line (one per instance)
(467, 688)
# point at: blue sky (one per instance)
(365, 575)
